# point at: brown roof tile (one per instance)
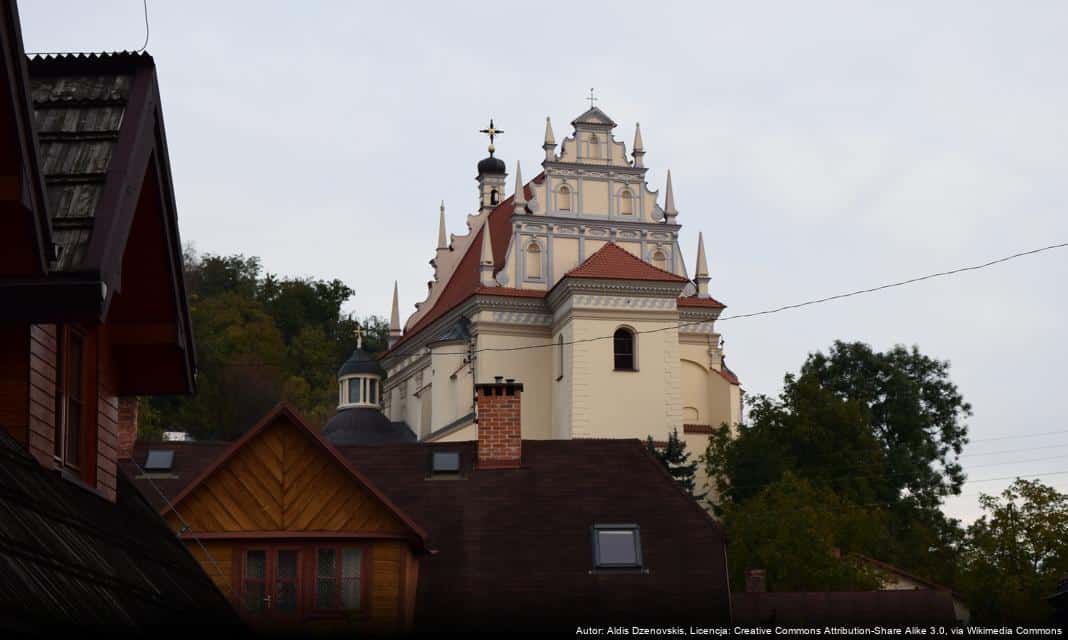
(616, 263)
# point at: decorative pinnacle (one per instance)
(669, 201)
(394, 316)
(520, 200)
(639, 147)
(492, 132)
(701, 273)
(443, 241)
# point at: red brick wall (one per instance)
(107, 418)
(127, 433)
(42, 403)
(500, 433)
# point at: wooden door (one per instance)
(270, 587)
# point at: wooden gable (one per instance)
(281, 478)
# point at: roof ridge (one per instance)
(624, 254)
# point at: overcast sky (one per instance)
(821, 147)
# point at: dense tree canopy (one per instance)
(260, 339)
(1016, 553)
(676, 459)
(880, 431)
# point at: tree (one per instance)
(796, 531)
(1015, 554)
(676, 460)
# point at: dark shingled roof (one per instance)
(69, 557)
(360, 362)
(514, 546)
(79, 115)
(365, 425)
(816, 608)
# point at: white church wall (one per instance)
(532, 367)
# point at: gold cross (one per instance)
(359, 336)
(491, 131)
(591, 98)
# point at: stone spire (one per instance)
(639, 149)
(443, 240)
(520, 200)
(550, 141)
(670, 212)
(485, 263)
(394, 318)
(701, 273)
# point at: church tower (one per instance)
(573, 283)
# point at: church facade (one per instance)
(575, 286)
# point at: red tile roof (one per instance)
(728, 375)
(465, 281)
(614, 262)
(694, 301)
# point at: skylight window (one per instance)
(445, 462)
(617, 546)
(159, 460)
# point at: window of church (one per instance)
(355, 387)
(560, 357)
(626, 203)
(563, 198)
(659, 259)
(595, 147)
(493, 196)
(623, 348)
(533, 261)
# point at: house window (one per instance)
(68, 435)
(617, 546)
(286, 581)
(563, 198)
(338, 573)
(623, 347)
(533, 262)
(626, 203)
(255, 587)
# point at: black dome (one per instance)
(360, 362)
(491, 166)
(365, 425)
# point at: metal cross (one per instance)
(359, 336)
(491, 131)
(591, 98)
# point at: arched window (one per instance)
(595, 147)
(563, 198)
(659, 259)
(623, 347)
(493, 196)
(626, 203)
(533, 262)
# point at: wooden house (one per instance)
(92, 310)
(495, 535)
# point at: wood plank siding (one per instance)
(280, 489)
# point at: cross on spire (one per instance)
(491, 131)
(591, 98)
(359, 336)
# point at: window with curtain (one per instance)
(338, 578)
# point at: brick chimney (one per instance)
(500, 435)
(756, 581)
(126, 430)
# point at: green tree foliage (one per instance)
(260, 339)
(677, 461)
(1015, 554)
(879, 430)
(795, 531)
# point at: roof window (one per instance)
(159, 460)
(617, 546)
(445, 463)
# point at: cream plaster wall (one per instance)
(532, 367)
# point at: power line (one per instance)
(779, 309)
(62, 53)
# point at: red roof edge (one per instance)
(611, 262)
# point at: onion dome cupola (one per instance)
(491, 173)
(359, 419)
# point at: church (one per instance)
(574, 285)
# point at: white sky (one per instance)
(821, 147)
